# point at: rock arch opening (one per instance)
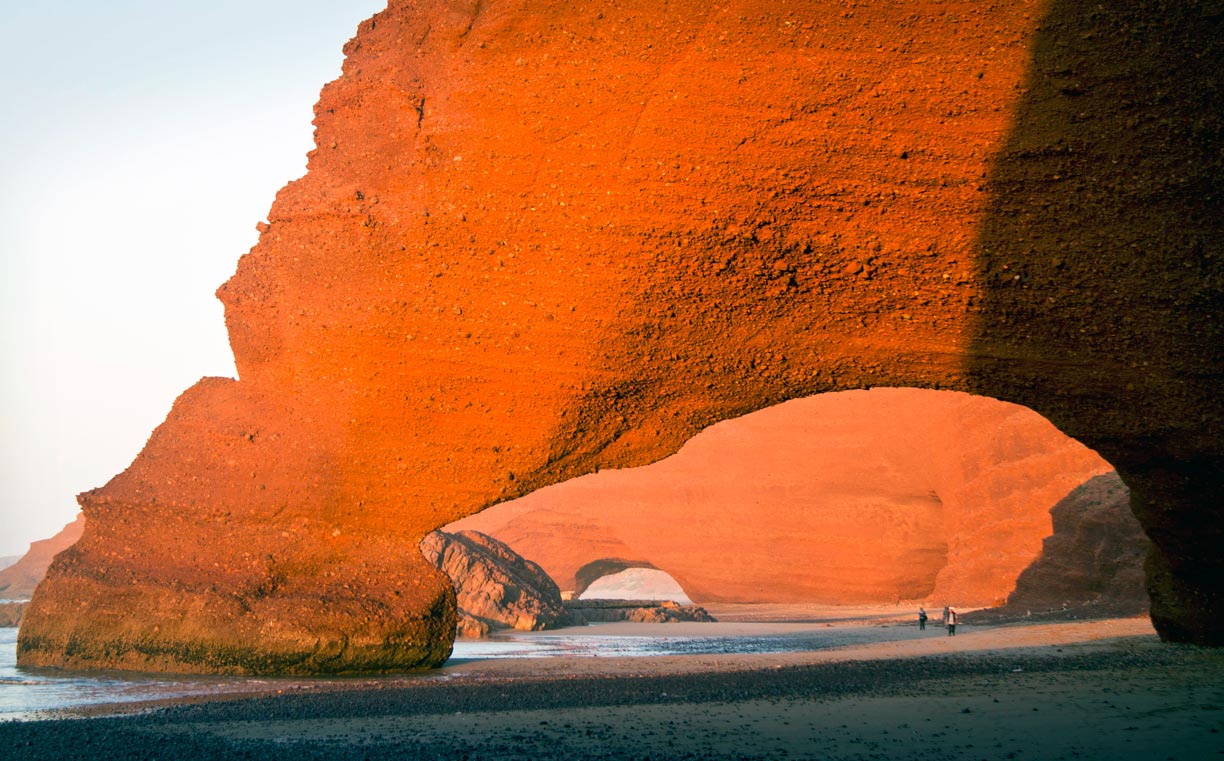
(636, 583)
(853, 497)
(604, 568)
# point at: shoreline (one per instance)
(809, 635)
(1096, 689)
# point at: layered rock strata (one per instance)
(495, 587)
(540, 238)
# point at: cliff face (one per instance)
(862, 496)
(1094, 558)
(540, 238)
(17, 582)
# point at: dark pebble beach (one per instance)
(906, 708)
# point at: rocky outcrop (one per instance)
(1093, 562)
(17, 582)
(10, 613)
(470, 627)
(857, 497)
(495, 587)
(637, 611)
(537, 239)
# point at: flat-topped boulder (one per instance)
(638, 611)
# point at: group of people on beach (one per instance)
(949, 621)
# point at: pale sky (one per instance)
(140, 143)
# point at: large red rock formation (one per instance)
(17, 582)
(863, 496)
(539, 238)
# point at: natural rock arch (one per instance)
(856, 497)
(536, 239)
(587, 575)
(639, 584)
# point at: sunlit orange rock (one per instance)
(540, 238)
(862, 496)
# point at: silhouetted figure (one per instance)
(951, 623)
(922, 617)
(944, 621)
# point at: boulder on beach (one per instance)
(495, 586)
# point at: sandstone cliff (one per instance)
(495, 587)
(17, 582)
(540, 238)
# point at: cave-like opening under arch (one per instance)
(852, 497)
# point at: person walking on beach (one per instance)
(922, 617)
(944, 621)
(951, 623)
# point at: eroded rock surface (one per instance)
(540, 238)
(496, 588)
(1093, 562)
(11, 612)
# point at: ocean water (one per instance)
(28, 694)
(36, 693)
(568, 643)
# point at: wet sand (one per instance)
(1102, 689)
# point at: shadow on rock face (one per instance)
(1102, 258)
(1091, 566)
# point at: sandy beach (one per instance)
(1095, 689)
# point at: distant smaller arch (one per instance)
(588, 574)
(629, 580)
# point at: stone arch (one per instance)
(597, 569)
(638, 584)
(855, 497)
(1100, 309)
(471, 295)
